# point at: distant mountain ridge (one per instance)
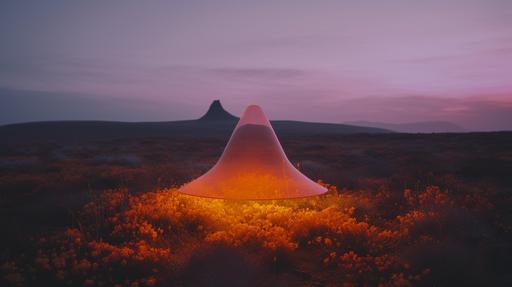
(414, 127)
(216, 122)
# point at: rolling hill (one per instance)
(216, 122)
(414, 127)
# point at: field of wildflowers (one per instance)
(413, 211)
(164, 238)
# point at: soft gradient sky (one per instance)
(330, 61)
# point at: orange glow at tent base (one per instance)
(253, 166)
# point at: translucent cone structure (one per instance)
(253, 166)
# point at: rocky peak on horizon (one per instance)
(217, 113)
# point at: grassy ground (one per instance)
(418, 210)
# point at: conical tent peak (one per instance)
(253, 114)
(253, 166)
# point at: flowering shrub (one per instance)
(151, 239)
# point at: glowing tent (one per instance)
(253, 166)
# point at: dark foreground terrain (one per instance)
(402, 210)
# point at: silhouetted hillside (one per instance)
(214, 124)
(416, 127)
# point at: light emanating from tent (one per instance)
(253, 166)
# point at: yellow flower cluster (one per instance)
(149, 239)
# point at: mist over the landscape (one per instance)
(328, 61)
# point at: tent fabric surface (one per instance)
(253, 166)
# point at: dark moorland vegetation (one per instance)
(402, 210)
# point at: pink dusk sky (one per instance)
(323, 61)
